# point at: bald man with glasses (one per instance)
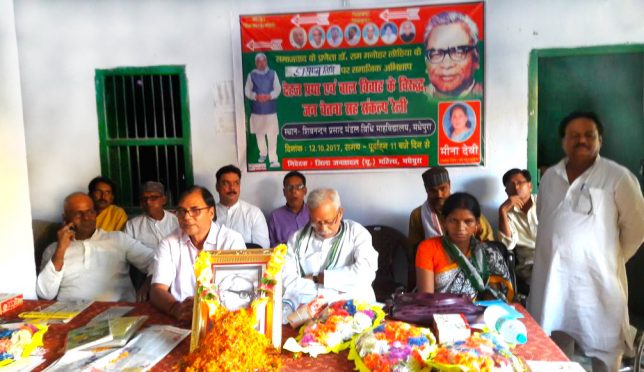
(173, 282)
(330, 256)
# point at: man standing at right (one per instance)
(590, 212)
(262, 88)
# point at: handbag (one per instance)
(419, 308)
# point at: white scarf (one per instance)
(431, 223)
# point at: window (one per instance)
(144, 129)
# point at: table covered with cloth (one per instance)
(538, 347)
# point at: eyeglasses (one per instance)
(321, 224)
(457, 53)
(294, 187)
(193, 212)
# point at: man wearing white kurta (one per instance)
(236, 214)
(89, 263)
(590, 212)
(173, 282)
(155, 223)
(330, 256)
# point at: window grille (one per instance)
(144, 130)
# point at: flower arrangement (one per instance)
(335, 327)
(232, 343)
(480, 352)
(393, 346)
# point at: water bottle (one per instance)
(287, 309)
(511, 330)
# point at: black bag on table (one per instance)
(419, 308)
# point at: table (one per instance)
(538, 347)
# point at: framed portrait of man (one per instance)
(237, 275)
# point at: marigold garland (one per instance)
(232, 343)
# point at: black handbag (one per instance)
(419, 308)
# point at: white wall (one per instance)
(17, 265)
(61, 43)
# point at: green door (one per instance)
(606, 80)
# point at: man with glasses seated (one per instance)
(518, 223)
(286, 220)
(87, 262)
(330, 256)
(155, 223)
(173, 281)
(451, 55)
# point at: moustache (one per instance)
(232, 193)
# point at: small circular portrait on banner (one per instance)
(316, 36)
(298, 37)
(389, 33)
(334, 36)
(459, 122)
(370, 33)
(352, 34)
(407, 32)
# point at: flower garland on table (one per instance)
(392, 346)
(335, 327)
(232, 343)
(480, 352)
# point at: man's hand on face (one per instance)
(512, 201)
(66, 234)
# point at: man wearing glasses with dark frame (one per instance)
(330, 256)
(173, 282)
(285, 220)
(451, 55)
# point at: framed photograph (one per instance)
(237, 275)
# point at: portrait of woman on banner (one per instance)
(459, 122)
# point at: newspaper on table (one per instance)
(58, 311)
(144, 350)
(76, 361)
(111, 313)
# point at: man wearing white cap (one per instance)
(155, 223)
(263, 88)
(426, 221)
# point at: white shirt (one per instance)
(246, 219)
(175, 258)
(96, 268)
(349, 277)
(150, 231)
(587, 231)
(523, 227)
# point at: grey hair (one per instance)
(260, 55)
(318, 196)
(73, 195)
(448, 18)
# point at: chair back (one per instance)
(389, 243)
(510, 261)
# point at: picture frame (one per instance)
(238, 274)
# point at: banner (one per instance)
(363, 88)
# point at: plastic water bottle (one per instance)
(511, 330)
